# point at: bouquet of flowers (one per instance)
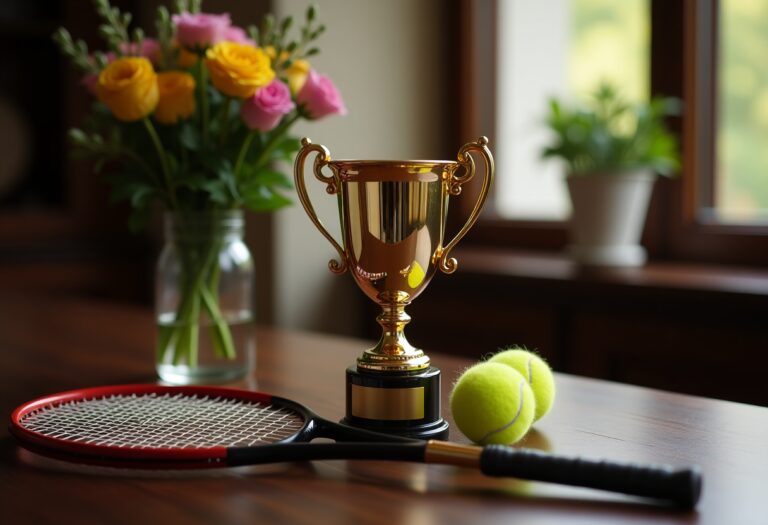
(193, 120)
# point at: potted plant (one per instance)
(613, 151)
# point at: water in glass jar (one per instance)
(205, 365)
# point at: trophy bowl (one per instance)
(393, 218)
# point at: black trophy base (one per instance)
(405, 404)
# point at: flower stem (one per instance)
(220, 334)
(278, 133)
(204, 99)
(268, 147)
(199, 282)
(187, 342)
(140, 162)
(224, 124)
(163, 161)
(243, 152)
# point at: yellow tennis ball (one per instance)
(416, 275)
(492, 403)
(536, 371)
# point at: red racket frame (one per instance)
(192, 454)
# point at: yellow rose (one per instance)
(297, 75)
(177, 96)
(297, 72)
(238, 70)
(272, 54)
(128, 87)
(186, 59)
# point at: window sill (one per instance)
(556, 270)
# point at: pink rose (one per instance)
(238, 34)
(319, 97)
(266, 107)
(201, 29)
(89, 81)
(150, 48)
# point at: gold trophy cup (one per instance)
(393, 217)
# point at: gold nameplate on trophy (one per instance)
(388, 403)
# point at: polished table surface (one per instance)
(48, 345)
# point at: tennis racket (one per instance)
(141, 425)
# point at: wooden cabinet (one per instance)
(689, 329)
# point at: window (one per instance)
(741, 167)
(709, 53)
(557, 48)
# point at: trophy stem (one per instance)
(393, 352)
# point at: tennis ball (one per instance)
(536, 371)
(416, 275)
(492, 403)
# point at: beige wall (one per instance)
(385, 58)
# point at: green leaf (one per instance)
(218, 191)
(285, 149)
(77, 137)
(226, 175)
(286, 25)
(265, 200)
(173, 164)
(192, 181)
(138, 219)
(132, 189)
(267, 177)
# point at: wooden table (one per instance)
(49, 345)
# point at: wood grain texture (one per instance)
(56, 344)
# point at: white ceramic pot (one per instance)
(608, 217)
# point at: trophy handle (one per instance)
(332, 187)
(449, 264)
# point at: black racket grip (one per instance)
(681, 486)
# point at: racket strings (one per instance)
(165, 421)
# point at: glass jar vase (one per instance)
(204, 299)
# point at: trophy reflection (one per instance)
(393, 218)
